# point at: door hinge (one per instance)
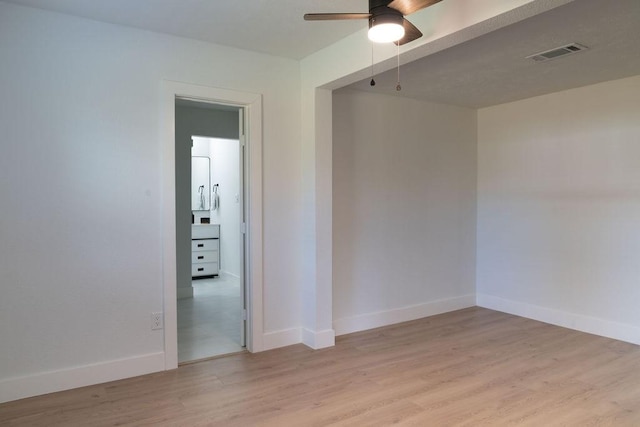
(243, 228)
(244, 314)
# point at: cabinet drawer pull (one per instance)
(201, 245)
(201, 269)
(201, 257)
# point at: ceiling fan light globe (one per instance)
(386, 32)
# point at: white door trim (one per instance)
(252, 104)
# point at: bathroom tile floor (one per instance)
(209, 323)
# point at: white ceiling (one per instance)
(489, 70)
(275, 27)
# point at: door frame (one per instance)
(252, 106)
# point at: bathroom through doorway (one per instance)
(211, 305)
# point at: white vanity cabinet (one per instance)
(205, 250)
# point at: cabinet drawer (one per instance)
(205, 231)
(206, 269)
(204, 256)
(205, 245)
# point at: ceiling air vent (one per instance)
(557, 52)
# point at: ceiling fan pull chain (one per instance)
(398, 87)
(372, 82)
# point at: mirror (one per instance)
(200, 184)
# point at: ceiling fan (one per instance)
(386, 19)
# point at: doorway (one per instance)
(210, 249)
(251, 105)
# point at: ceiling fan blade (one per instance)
(335, 16)
(409, 6)
(410, 33)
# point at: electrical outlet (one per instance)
(157, 320)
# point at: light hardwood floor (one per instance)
(473, 367)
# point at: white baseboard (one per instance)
(319, 339)
(65, 379)
(363, 322)
(283, 338)
(226, 273)
(579, 322)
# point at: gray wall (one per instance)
(192, 121)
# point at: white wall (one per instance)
(559, 208)
(225, 171)
(404, 209)
(80, 179)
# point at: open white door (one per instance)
(243, 227)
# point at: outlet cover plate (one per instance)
(157, 320)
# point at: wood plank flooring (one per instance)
(473, 367)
